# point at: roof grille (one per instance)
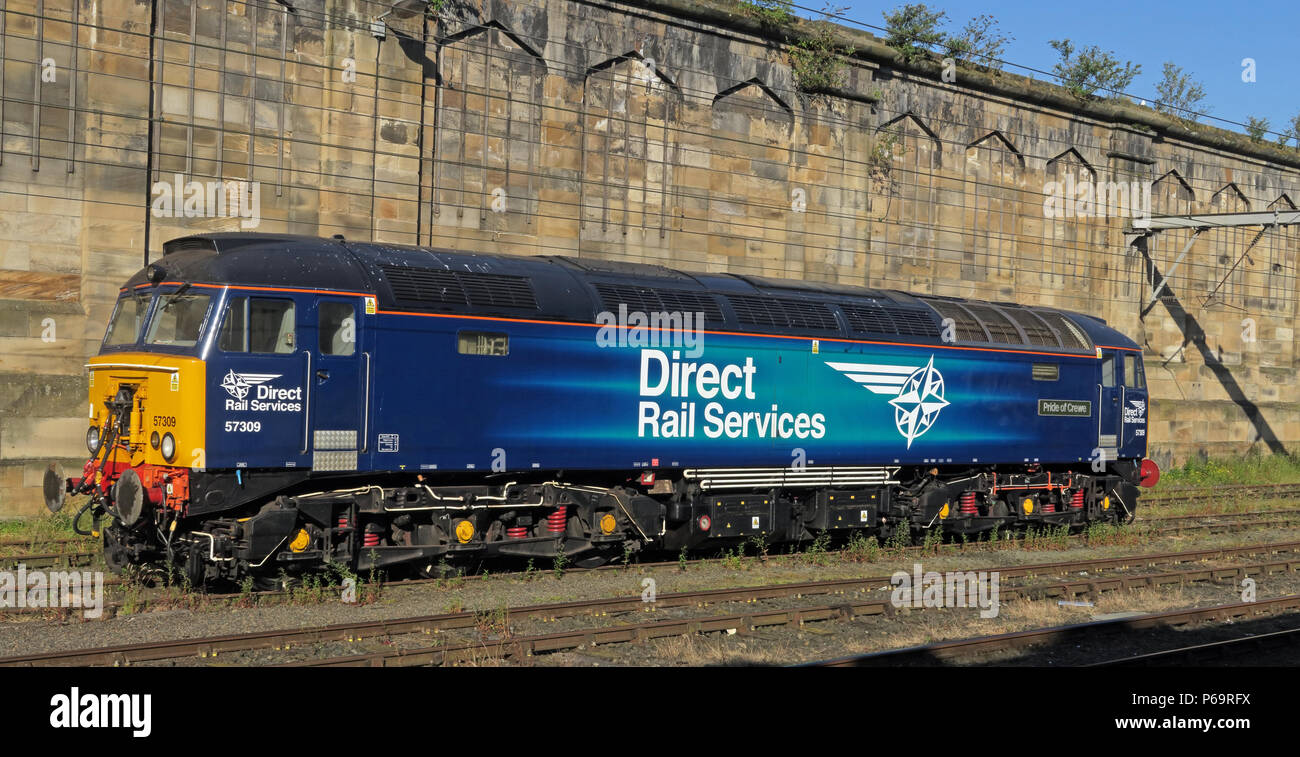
(874, 318)
(1072, 337)
(1036, 331)
(778, 313)
(1000, 328)
(968, 328)
(185, 244)
(647, 300)
(439, 286)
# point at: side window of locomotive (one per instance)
(234, 326)
(124, 328)
(483, 343)
(338, 328)
(1133, 372)
(270, 326)
(1108, 371)
(179, 320)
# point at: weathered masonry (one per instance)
(662, 131)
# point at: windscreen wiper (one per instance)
(176, 295)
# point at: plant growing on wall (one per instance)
(1291, 133)
(817, 61)
(775, 14)
(1256, 128)
(980, 41)
(1179, 95)
(1088, 69)
(913, 29)
(882, 153)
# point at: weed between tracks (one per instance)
(51, 532)
(1251, 468)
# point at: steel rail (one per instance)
(960, 649)
(1208, 651)
(351, 632)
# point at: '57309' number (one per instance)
(253, 426)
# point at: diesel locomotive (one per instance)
(265, 404)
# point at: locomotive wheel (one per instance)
(115, 556)
(597, 558)
(194, 568)
(265, 582)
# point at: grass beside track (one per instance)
(44, 526)
(1253, 468)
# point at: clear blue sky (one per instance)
(1208, 38)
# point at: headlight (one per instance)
(92, 439)
(168, 447)
(153, 440)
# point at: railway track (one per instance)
(861, 603)
(51, 560)
(965, 650)
(746, 622)
(1226, 522)
(1199, 654)
(1220, 492)
(51, 542)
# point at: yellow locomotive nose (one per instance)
(157, 403)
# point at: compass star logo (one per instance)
(916, 393)
(918, 403)
(238, 384)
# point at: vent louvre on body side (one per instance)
(423, 286)
(648, 300)
(439, 286)
(874, 318)
(782, 313)
(497, 290)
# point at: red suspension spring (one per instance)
(966, 504)
(343, 521)
(370, 539)
(557, 520)
(517, 532)
(1049, 506)
(1076, 501)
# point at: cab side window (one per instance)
(1133, 372)
(270, 326)
(234, 329)
(1108, 371)
(337, 328)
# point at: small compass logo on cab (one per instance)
(238, 384)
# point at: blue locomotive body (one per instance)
(450, 385)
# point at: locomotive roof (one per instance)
(571, 289)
